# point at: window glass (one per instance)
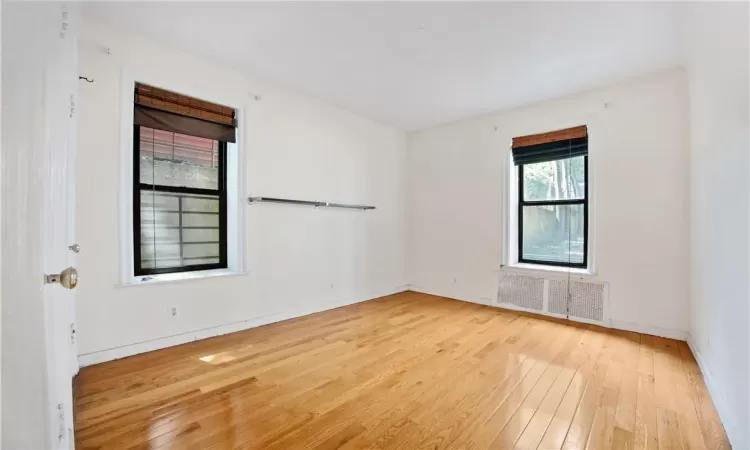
(173, 159)
(553, 233)
(554, 180)
(179, 229)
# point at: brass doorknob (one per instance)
(68, 278)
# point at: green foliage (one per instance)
(554, 180)
(554, 232)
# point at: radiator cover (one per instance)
(575, 298)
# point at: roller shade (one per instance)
(161, 120)
(550, 146)
(168, 111)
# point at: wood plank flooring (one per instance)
(408, 371)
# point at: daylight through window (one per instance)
(180, 193)
(553, 201)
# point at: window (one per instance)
(179, 190)
(553, 199)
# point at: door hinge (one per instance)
(72, 333)
(72, 105)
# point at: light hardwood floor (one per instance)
(407, 371)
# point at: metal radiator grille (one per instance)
(520, 290)
(586, 299)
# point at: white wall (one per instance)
(298, 259)
(720, 198)
(638, 161)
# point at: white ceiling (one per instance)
(418, 64)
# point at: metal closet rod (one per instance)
(307, 202)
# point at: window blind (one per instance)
(550, 146)
(165, 110)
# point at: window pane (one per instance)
(173, 159)
(200, 235)
(179, 230)
(194, 250)
(553, 233)
(554, 180)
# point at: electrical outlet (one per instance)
(455, 280)
(173, 311)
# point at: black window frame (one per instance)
(584, 201)
(221, 192)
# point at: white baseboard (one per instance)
(111, 354)
(679, 335)
(671, 333)
(734, 433)
(423, 290)
(549, 314)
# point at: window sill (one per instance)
(143, 280)
(552, 270)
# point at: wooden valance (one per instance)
(163, 100)
(551, 136)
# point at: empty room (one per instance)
(375, 225)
